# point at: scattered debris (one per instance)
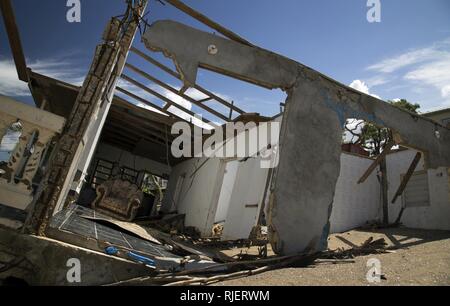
(127, 226)
(245, 268)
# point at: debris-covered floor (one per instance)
(419, 257)
(179, 258)
(165, 252)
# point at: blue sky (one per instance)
(407, 55)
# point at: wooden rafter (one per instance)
(159, 96)
(14, 39)
(377, 161)
(175, 91)
(207, 21)
(210, 95)
(408, 176)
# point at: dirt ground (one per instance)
(419, 258)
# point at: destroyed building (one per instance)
(87, 156)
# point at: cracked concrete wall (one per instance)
(194, 189)
(306, 177)
(45, 262)
(317, 107)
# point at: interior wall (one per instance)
(226, 191)
(437, 215)
(355, 204)
(246, 199)
(193, 189)
(90, 148)
(128, 159)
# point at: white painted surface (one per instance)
(91, 146)
(226, 192)
(83, 156)
(31, 114)
(355, 204)
(32, 119)
(437, 215)
(205, 202)
(197, 194)
(245, 201)
(13, 195)
(417, 192)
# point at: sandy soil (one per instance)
(420, 258)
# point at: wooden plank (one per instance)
(14, 39)
(207, 21)
(175, 91)
(111, 132)
(211, 96)
(407, 176)
(163, 98)
(376, 162)
(118, 144)
(205, 100)
(130, 120)
(133, 130)
(144, 122)
(122, 104)
(146, 102)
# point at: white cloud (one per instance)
(406, 59)
(423, 69)
(64, 70)
(377, 80)
(60, 69)
(10, 85)
(445, 91)
(362, 87)
(435, 73)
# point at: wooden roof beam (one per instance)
(207, 21)
(211, 96)
(177, 92)
(14, 39)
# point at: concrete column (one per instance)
(305, 181)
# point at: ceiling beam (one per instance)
(211, 96)
(14, 39)
(143, 122)
(161, 97)
(207, 21)
(137, 131)
(175, 91)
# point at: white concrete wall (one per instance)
(226, 192)
(194, 188)
(248, 189)
(205, 202)
(83, 156)
(355, 204)
(437, 215)
(91, 146)
(127, 159)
